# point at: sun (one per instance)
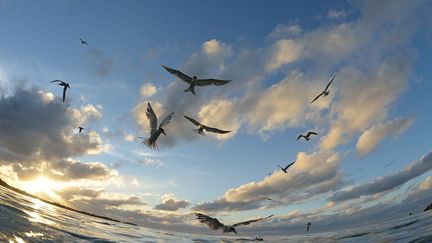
(43, 185)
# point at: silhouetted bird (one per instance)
(65, 87)
(286, 167)
(83, 42)
(214, 224)
(326, 90)
(306, 136)
(155, 132)
(194, 81)
(308, 225)
(80, 129)
(204, 127)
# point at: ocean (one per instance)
(25, 219)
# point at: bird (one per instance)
(80, 129)
(202, 127)
(308, 225)
(214, 224)
(83, 42)
(326, 90)
(286, 167)
(65, 87)
(306, 136)
(155, 132)
(194, 81)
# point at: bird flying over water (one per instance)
(80, 129)
(155, 132)
(202, 127)
(284, 169)
(306, 136)
(194, 81)
(326, 90)
(214, 224)
(65, 87)
(83, 42)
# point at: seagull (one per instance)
(214, 224)
(80, 129)
(308, 225)
(204, 127)
(65, 87)
(286, 167)
(83, 42)
(307, 135)
(194, 81)
(326, 90)
(155, 132)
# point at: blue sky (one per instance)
(279, 56)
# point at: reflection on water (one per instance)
(24, 219)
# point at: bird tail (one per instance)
(147, 142)
(199, 131)
(190, 89)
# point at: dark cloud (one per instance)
(172, 205)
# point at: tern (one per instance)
(65, 87)
(155, 132)
(194, 81)
(326, 90)
(83, 42)
(306, 136)
(202, 127)
(80, 129)
(214, 224)
(284, 169)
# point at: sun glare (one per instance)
(43, 185)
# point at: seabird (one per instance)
(65, 87)
(83, 42)
(202, 127)
(214, 224)
(80, 129)
(194, 81)
(308, 225)
(286, 167)
(155, 132)
(307, 135)
(326, 90)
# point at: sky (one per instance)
(371, 160)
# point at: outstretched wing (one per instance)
(213, 223)
(317, 97)
(331, 81)
(207, 82)
(167, 120)
(251, 221)
(289, 165)
(215, 130)
(64, 93)
(178, 74)
(299, 136)
(311, 133)
(56, 81)
(195, 122)
(152, 118)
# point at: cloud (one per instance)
(370, 138)
(337, 14)
(148, 90)
(172, 205)
(385, 183)
(282, 30)
(150, 161)
(101, 62)
(283, 52)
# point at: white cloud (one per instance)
(337, 14)
(283, 52)
(148, 90)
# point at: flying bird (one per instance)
(202, 127)
(80, 129)
(308, 226)
(306, 136)
(326, 90)
(155, 131)
(65, 87)
(214, 224)
(194, 81)
(83, 42)
(284, 169)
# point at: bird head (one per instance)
(163, 131)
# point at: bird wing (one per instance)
(317, 97)
(207, 82)
(215, 130)
(251, 221)
(178, 74)
(331, 81)
(195, 122)
(299, 136)
(167, 120)
(64, 93)
(213, 223)
(311, 133)
(289, 165)
(152, 118)
(54, 81)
